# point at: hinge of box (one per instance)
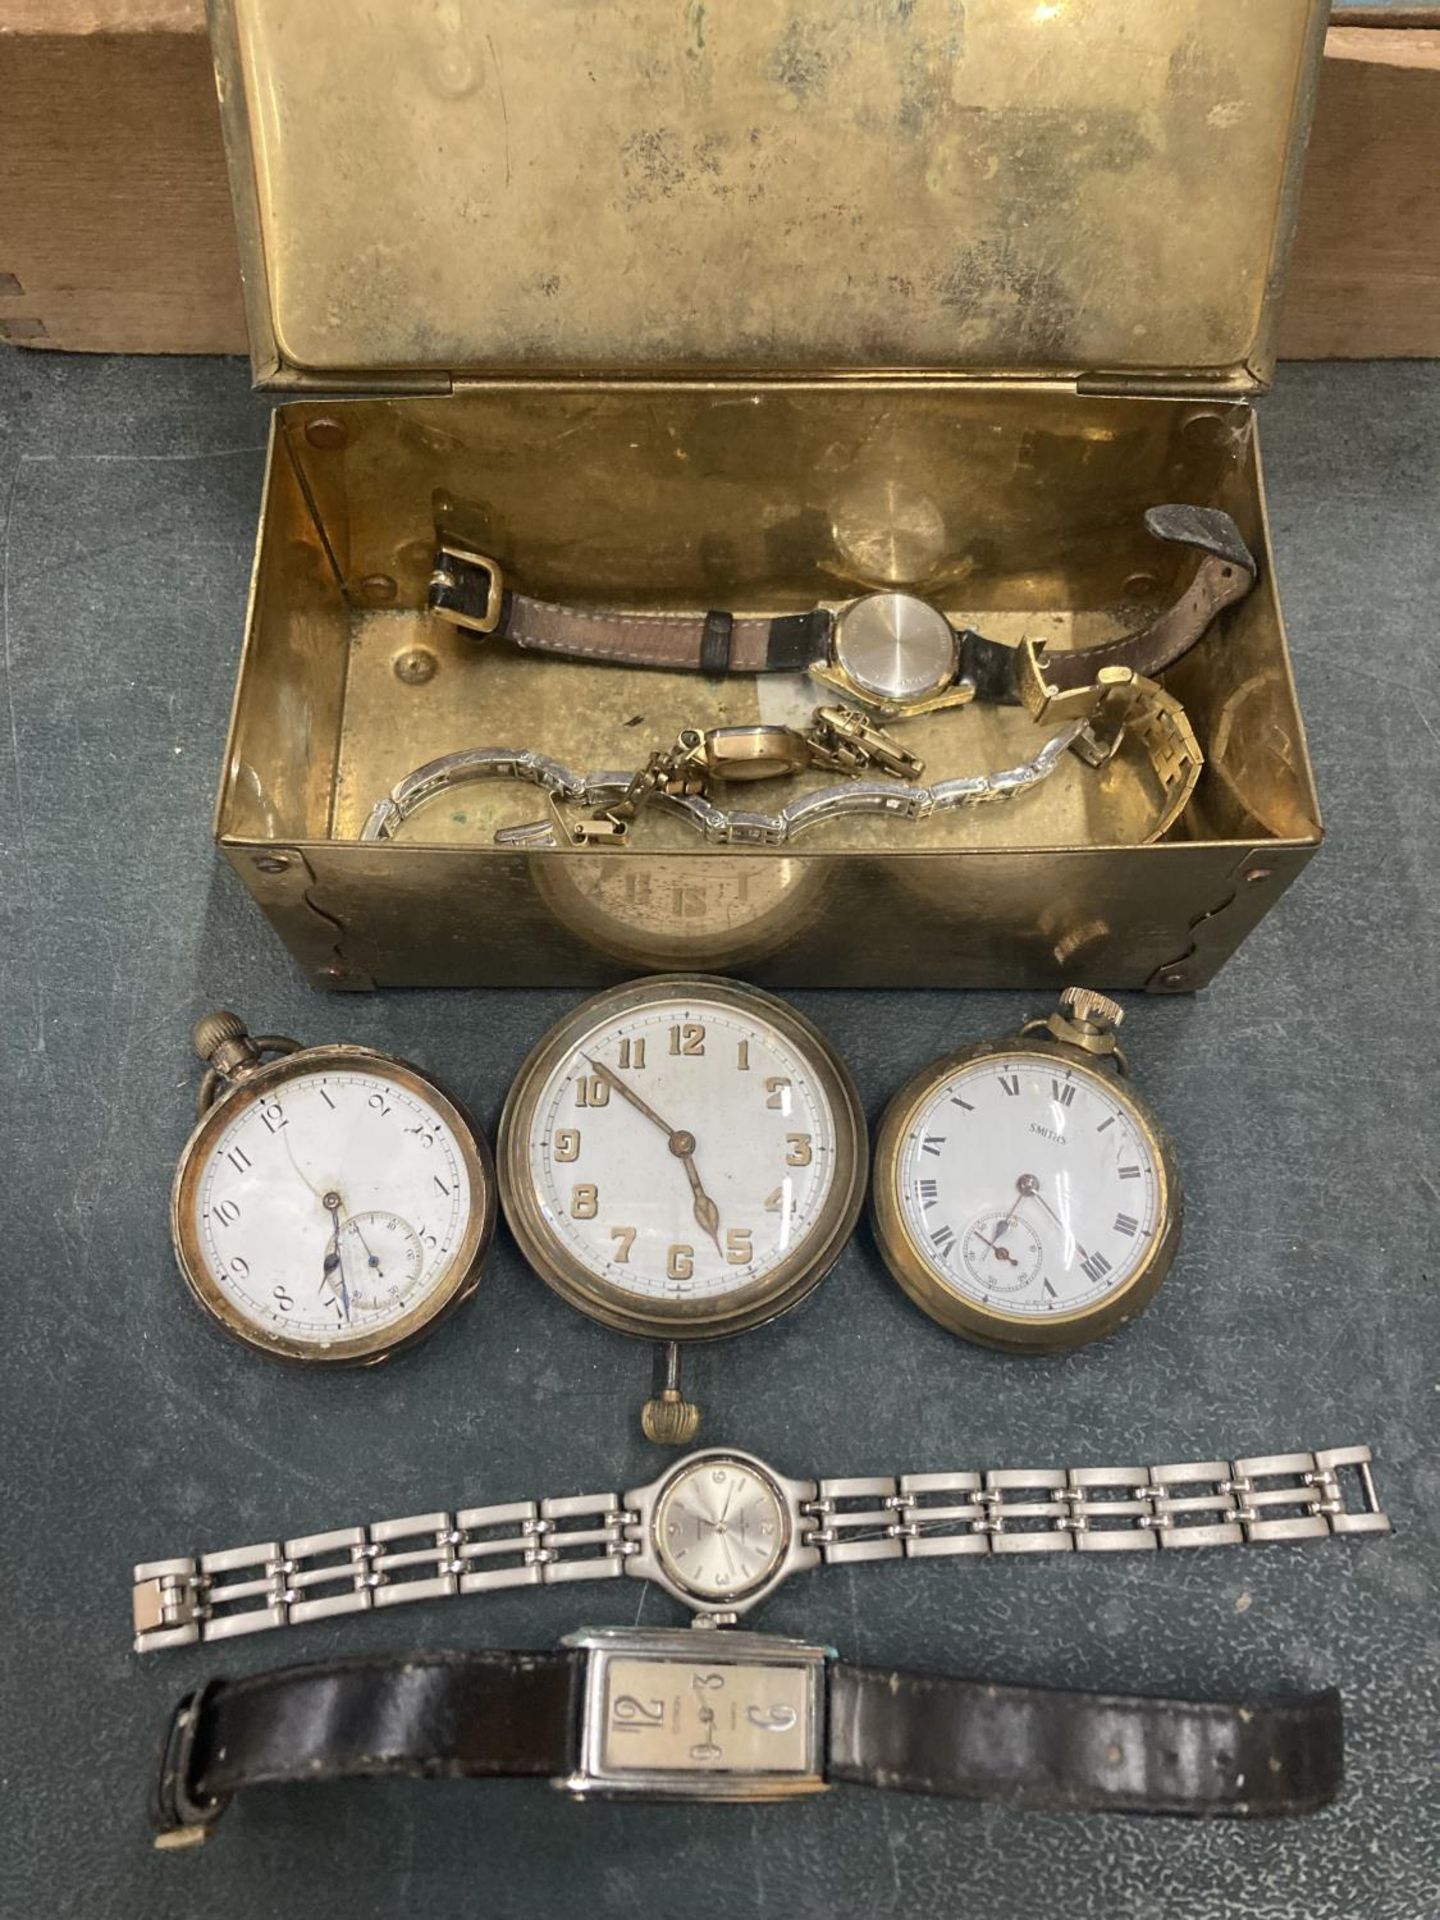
(1239, 384)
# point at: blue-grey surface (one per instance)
(1304, 1309)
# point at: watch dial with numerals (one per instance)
(1027, 1196)
(682, 1157)
(332, 1206)
(720, 1529)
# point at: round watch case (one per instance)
(696, 1318)
(232, 1096)
(917, 1270)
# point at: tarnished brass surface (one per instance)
(1099, 189)
(1018, 508)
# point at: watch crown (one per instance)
(670, 1420)
(1090, 1009)
(212, 1031)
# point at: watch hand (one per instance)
(707, 1214)
(354, 1223)
(334, 1263)
(1000, 1253)
(285, 1137)
(682, 1145)
(628, 1093)
(1029, 1189)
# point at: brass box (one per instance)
(671, 304)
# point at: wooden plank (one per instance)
(115, 227)
(115, 230)
(1364, 280)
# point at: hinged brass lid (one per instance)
(1098, 191)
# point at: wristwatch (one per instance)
(680, 1715)
(721, 1530)
(892, 653)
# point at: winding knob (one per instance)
(215, 1030)
(1090, 1009)
(670, 1420)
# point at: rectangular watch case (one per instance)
(802, 303)
(699, 1714)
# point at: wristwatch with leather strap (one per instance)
(894, 653)
(687, 1714)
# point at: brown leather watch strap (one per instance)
(710, 642)
(1225, 574)
(466, 588)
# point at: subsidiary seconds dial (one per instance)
(1024, 1196)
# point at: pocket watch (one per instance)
(1024, 1197)
(332, 1203)
(681, 1158)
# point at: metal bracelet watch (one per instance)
(677, 1715)
(720, 1531)
(678, 781)
(895, 653)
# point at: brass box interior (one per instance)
(1016, 505)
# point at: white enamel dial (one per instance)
(1028, 1186)
(682, 1155)
(616, 1185)
(330, 1206)
(720, 1529)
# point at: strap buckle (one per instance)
(1043, 700)
(466, 588)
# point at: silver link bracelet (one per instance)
(916, 1516)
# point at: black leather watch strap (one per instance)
(478, 1715)
(1074, 1752)
(485, 1715)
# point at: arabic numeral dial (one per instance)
(675, 1145)
(329, 1204)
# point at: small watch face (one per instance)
(706, 1716)
(1030, 1190)
(720, 1529)
(895, 646)
(680, 1153)
(331, 1208)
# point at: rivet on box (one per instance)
(326, 433)
(415, 666)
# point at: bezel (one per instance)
(991, 1326)
(457, 1283)
(593, 1778)
(702, 1319)
(647, 1560)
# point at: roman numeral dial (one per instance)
(1021, 1191)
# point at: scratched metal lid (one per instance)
(1094, 190)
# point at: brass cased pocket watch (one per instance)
(682, 1158)
(1023, 1196)
(333, 1203)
